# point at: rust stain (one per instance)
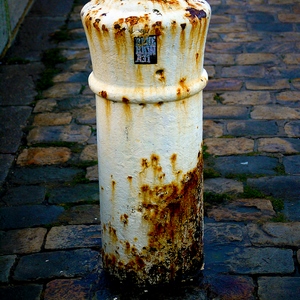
(113, 186)
(104, 28)
(144, 164)
(87, 22)
(183, 87)
(195, 13)
(119, 33)
(133, 20)
(125, 100)
(159, 104)
(160, 75)
(127, 109)
(127, 248)
(176, 173)
(96, 24)
(124, 219)
(156, 167)
(139, 75)
(173, 160)
(113, 189)
(103, 94)
(112, 232)
(157, 28)
(182, 39)
(174, 216)
(173, 27)
(108, 111)
(109, 259)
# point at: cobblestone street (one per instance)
(50, 235)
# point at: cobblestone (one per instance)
(68, 133)
(28, 216)
(12, 120)
(22, 241)
(275, 234)
(63, 90)
(229, 146)
(232, 287)
(288, 146)
(65, 289)
(73, 236)
(256, 58)
(262, 261)
(275, 112)
(271, 84)
(17, 292)
(292, 128)
(212, 129)
(5, 163)
(289, 97)
(225, 112)
(287, 288)
(47, 174)
(31, 194)
(223, 186)
(6, 263)
(44, 156)
(74, 194)
(246, 98)
(81, 214)
(52, 119)
(292, 164)
(261, 210)
(59, 264)
(252, 128)
(250, 165)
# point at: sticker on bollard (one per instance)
(145, 50)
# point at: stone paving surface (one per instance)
(49, 209)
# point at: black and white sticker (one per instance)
(145, 50)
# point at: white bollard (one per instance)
(148, 79)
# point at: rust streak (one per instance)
(173, 159)
(127, 108)
(113, 233)
(127, 247)
(113, 185)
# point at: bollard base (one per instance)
(112, 288)
(131, 279)
(158, 275)
(175, 236)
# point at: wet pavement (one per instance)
(49, 209)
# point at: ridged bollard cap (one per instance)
(168, 36)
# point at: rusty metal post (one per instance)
(148, 78)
